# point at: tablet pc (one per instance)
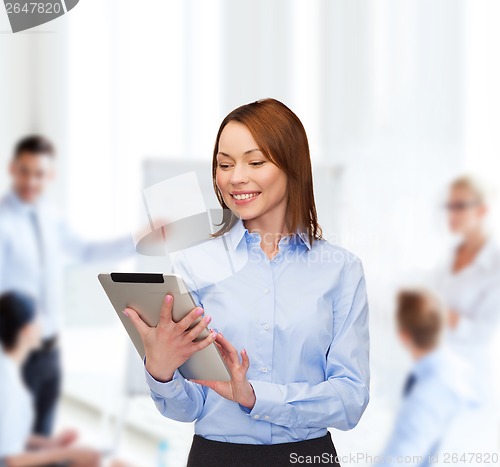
(145, 292)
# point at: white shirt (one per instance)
(23, 268)
(16, 409)
(474, 293)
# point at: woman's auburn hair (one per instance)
(282, 138)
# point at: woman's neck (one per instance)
(270, 231)
(468, 250)
(474, 241)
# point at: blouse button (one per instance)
(267, 290)
(263, 369)
(266, 326)
(256, 416)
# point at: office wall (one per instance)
(34, 92)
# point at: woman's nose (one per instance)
(238, 175)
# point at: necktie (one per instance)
(49, 324)
(410, 382)
(38, 235)
(35, 220)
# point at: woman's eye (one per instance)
(257, 164)
(224, 166)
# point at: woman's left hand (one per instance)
(238, 389)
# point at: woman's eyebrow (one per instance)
(246, 152)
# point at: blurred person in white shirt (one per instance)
(469, 276)
(468, 281)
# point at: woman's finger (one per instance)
(222, 350)
(196, 330)
(185, 323)
(141, 327)
(245, 361)
(166, 312)
(230, 363)
(231, 351)
(200, 345)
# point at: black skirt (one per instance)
(208, 453)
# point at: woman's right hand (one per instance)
(170, 344)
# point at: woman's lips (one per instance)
(244, 198)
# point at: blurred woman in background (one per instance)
(469, 278)
(468, 282)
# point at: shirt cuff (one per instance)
(245, 409)
(268, 401)
(170, 389)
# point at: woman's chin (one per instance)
(246, 216)
(246, 212)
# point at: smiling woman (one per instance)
(274, 141)
(293, 303)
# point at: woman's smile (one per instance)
(244, 197)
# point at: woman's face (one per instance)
(465, 212)
(251, 185)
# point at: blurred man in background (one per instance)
(33, 240)
(439, 386)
